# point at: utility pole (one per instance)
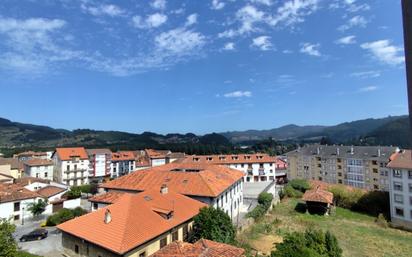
(407, 34)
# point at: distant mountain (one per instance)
(14, 135)
(388, 131)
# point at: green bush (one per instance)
(299, 184)
(264, 202)
(289, 191)
(312, 243)
(265, 199)
(345, 198)
(64, 215)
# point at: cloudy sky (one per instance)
(199, 66)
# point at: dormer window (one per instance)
(209, 158)
(196, 159)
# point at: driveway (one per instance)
(48, 247)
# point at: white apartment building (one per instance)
(255, 167)
(39, 168)
(122, 163)
(71, 166)
(401, 188)
(99, 166)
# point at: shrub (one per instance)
(64, 215)
(265, 199)
(381, 221)
(345, 198)
(264, 202)
(312, 243)
(38, 207)
(73, 193)
(299, 184)
(289, 191)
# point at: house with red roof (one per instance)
(71, 166)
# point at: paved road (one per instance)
(252, 190)
(48, 247)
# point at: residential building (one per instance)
(39, 168)
(213, 185)
(157, 157)
(122, 163)
(11, 167)
(135, 225)
(281, 170)
(255, 167)
(202, 248)
(357, 166)
(14, 201)
(152, 158)
(71, 166)
(400, 191)
(25, 156)
(99, 166)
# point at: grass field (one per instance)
(358, 234)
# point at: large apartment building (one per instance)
(99, 166)
(357, 166)
(71, 166)
(400, 190)
(255, 167)
(122, 163)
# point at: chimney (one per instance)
(163, 189)
(351, 149)
(107, 216)
(379, 152)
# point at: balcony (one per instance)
(76, 170)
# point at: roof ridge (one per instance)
(207, 183)
(126, 229)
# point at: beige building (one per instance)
(357, 166)
(11, 167)
(135, 225)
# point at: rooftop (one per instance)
(123, 156)
(108, 198)
(202, 248)
(318, 195)
(133, 220)
(188, 179)
(50, 191)
(230, 159)
(38, 162)
(13, 162)
(401, 160)
(11, 192)
(98, 151)
(67, 154)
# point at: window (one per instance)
(398, 198)
(410, 174)
(375, 171)
(16, 217)
(143, 254)
(17, 206)
(376, 187)
(76, 249)
(397, 173)
(46, 175)
(75, 167)
(374, 163)
(175, 236)
(68, 168)
(163, 242)
(37, 175)
(399, 211)
(397, 186)
(95, 206)
(410, 188)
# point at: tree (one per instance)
(38, 207)
(332, 245)
(213, 224)
(8, 247)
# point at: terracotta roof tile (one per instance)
(123, 156)
(318, 195)
(108, 198)
(188, 179)
(12, 192)
(24, 181)
(133, 220)
(13, 162)
(68, 153)
(230, 159)
(38, 162)
(401, 160)
(50, 191)
(157, 154)
(202, 248)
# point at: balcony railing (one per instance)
(76, 170)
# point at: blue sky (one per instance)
(200, 66)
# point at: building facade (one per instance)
(255, 167)
(400, 191)
(39, 168)
(100, 165)
(122, 163)
(71, 166)
(362, 167)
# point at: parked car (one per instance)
(37, 234)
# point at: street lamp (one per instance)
(22, 216)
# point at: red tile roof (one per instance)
(67, 154)
(318, 195)
(123, 156)
(230, 159)
(188, 179)
(50, 191)
(12, 192)
(13, 162)
(24, 181)
(134, 220)
(108, 198)
(401, 160)
(202, 248)
(156, 154)
(38, 162)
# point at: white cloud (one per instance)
(158, 4)
(366, 74)
(264, 2)
(262, 42)
(368, 89)
(152, 21)
(179, 41)
(288, 14)
(191, 19)
(217, 4)
(310, 49)
(346, 40)
(287, 51)
(103, 9)
(230, 46)
(238, 94)
(383, 51)
(356, 21)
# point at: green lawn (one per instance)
(358, 234)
